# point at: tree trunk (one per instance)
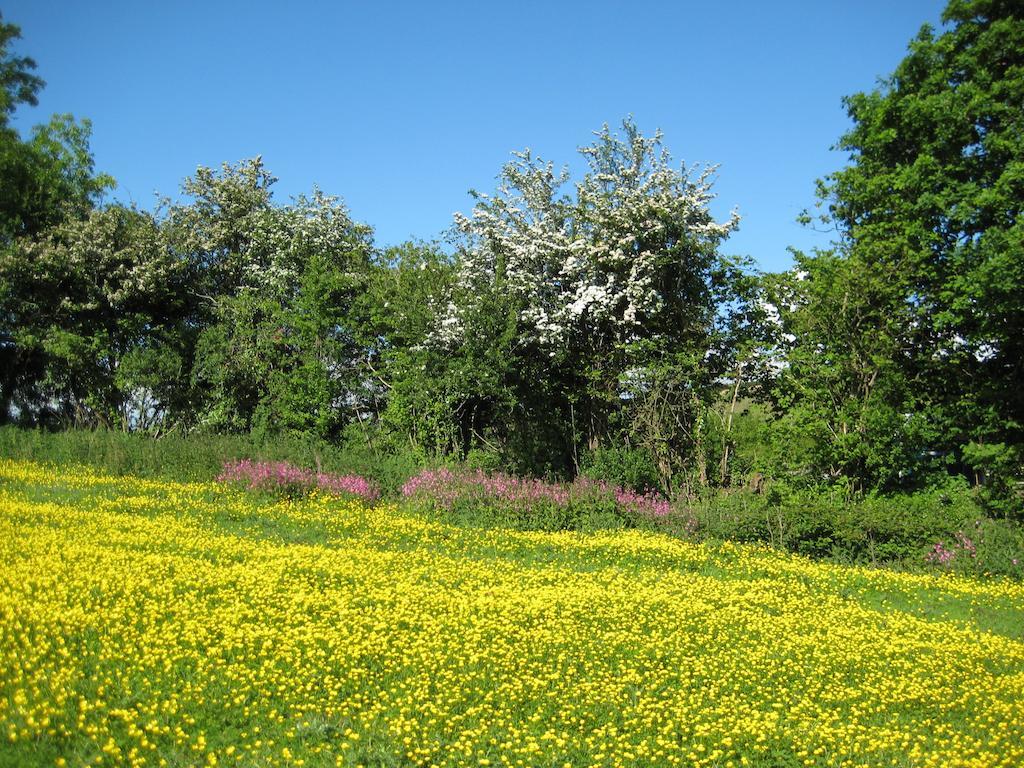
(724, 473)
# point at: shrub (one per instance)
(624, 467)
(942, 527)
(986, 547)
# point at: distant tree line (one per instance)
(572, 321)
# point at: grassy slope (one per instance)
(193, 624)
(194, 458)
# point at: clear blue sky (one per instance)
(401, 107)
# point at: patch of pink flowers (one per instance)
(965, 544)
(282, 476)
(445, 487)
(940, 554)
(650, 504)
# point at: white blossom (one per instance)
(593, 259)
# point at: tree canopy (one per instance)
(570, 320)
(599, 300)
(927, 278)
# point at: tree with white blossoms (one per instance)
(618, 291)
(227, 312)
(91, 303)
(273, 288)
(615, 262)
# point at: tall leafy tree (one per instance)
(931, 238)
(406, 392)
(48, 179)
(49, 176)
(88, 303)
(18, 84)
(600, 303)
(272, 292)
(845, 406)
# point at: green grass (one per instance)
(886, 531)
(196, 458)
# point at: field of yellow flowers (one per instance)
(159, 624)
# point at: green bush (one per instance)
(486, 461)
(624, 467)
(878, 530)
(1000, 466)
(498, 500)
(1000, 548)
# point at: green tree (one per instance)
(272, 294)
(594, 317)
(47, 179)
(17, 83)
(931, 251)
(86, 302)
(405, 387)
(845, 407)
(50, 176)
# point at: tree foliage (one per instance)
(85, 301)
(576, 312)
(18, 84)
(48, 177)
(576, 322)
(917, 314)
(47, 181)
(272, 290)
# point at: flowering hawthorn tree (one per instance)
(620, 261)
(272, 288)
(609, 287)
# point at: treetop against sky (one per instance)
(401, 108)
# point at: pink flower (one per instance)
(445, 487)
(940, 555)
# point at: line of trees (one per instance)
(573, 321)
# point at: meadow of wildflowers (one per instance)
(147, 623)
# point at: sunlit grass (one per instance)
(154, 623)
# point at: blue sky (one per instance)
(401, 107)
